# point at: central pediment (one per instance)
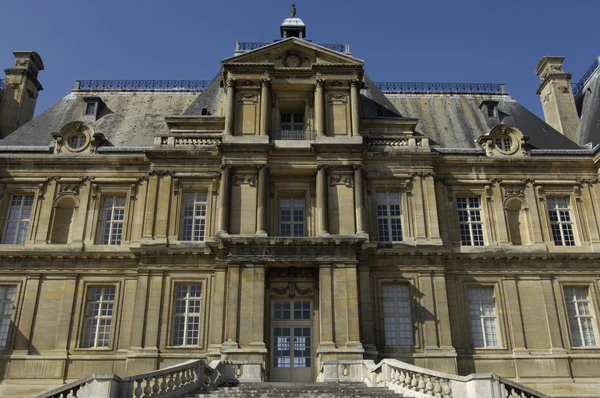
(293, 53)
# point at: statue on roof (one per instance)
(293, 11)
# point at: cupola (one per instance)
(293, 26)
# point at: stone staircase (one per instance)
(303, 390)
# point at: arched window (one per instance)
(62, 224)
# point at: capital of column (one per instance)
(353, 83)
(322, 167)
(265, 81)
(260, 167)
(230, 83)
(226, 166)
(319, 83)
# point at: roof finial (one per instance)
(293, 11)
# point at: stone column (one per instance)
(322, 221)
(261, 205)
(264, 106)
(149, 217)
(547, 282)
(354, 104)
(367, 310)
(429, 317)
(319, 116)
(230, 107)
(25, 325)
(252, 306)
(139, 312)
(359, 200)
(326, 306)
(217, 313)
(224, 189)
(232, 309)
(514, 312)
(65, 313)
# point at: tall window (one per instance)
(292, 121)
(482, 311)
(291, 216)
(7, 302)
(100, 306)
(193, 216)
(292, 126)
(112, 218)
(581, 318)
(397, 322)
(17, 220)
(389, 216)
(186, 321)
(90, 108)
(560, 222)
(469, 219)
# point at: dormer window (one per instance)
(90, 108)
(490, 108)
(92, 104)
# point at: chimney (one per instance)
(556, 95)
(20, 91)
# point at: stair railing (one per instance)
(174, 381)
(418, 382)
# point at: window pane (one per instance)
(389, 216)
(193, 216)
(18, 215)
(397, 321)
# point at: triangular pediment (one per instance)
(293, 52)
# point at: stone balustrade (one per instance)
(171, 382)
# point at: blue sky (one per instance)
(400, 40)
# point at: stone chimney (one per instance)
(20, 91)
(556, 95)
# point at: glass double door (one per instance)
(291, 340)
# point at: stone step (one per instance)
(300, 390)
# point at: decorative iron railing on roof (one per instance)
(461, 88)
(249, 46)
(577, 87)
(141, 85)
(1, 84)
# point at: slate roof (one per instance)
(126, 119)
(588, 105)
(132, 119)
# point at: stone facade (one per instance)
(284, 191)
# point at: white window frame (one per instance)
(292, 209)
(115, 222)
(397, 315)
(101, 315)
(387, 218)
(200, 221)
(482, 302)
(22, 223)
(8, 294)
(472, 223)
(574, 304)
(562, 227)
(191, 314)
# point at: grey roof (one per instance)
(210, 99)
(126, 118)
(133, 119)
(588, 105)
(456, 120)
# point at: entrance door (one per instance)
(291, 340)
